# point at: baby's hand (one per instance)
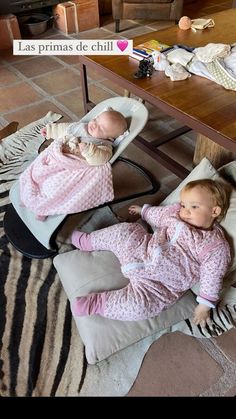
(82, 146)
(43, 132)
(135, 209)
(201, 315)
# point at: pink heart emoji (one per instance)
(122, 45)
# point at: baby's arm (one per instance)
(215, 262)
(153, 213)
(158, 215)
(95, 155)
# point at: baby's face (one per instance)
(197, 208)
(104, 126)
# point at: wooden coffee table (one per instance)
(197, 102)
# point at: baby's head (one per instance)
(108, 125)
(204, 201)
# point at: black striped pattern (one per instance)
(223, 318)
(41, 353)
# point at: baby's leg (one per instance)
(137, 301)
(81, 240)
(116, 238)
(97, 240)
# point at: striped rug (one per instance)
(38, 341)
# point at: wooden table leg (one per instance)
(217, 155)
(126, 93)
(9, 129)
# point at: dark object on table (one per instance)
(145, 68)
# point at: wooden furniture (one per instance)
(64, 17)
(199, 103)
(105, 7)
(9, 30)
(146, 9)
(215, 153)
(87, 14)
(8, 130)
(76, 16)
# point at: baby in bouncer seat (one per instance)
(73, 173)
(95, 140)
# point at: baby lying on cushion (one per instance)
(94, 141)
(187, 246)
(73, 173)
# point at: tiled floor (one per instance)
(176, 365)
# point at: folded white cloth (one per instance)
(179, 55)
(177, 72)
(212, 51)
(202, 23)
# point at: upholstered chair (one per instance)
(146, 9)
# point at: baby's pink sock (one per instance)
(81, 240)
(88, 305)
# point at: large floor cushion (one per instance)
(84, 272)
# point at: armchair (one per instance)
(146, 9)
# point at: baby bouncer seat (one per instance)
(35, 238)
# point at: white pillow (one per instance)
(203, 170)
(84, 272)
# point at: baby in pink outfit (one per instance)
(187, 246)
(73, 173)
(93, 141)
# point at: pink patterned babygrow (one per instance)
(161, 266)
(58, 183)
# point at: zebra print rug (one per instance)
(41, 353)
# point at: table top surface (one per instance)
(201, 104)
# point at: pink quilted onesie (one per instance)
(161, 266)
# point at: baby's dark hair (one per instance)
(219, 190)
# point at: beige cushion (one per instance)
(229, 223)
(84, 272)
